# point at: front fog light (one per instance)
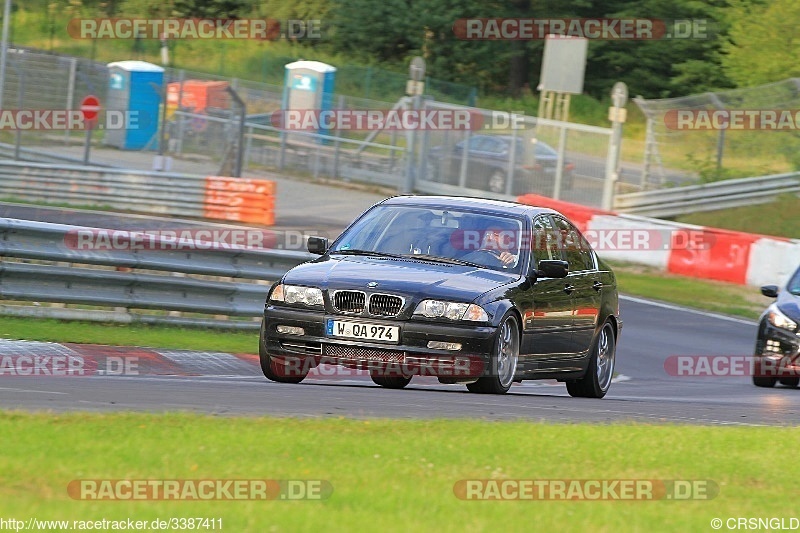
(290, 330)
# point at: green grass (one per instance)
(129, 335)
(635, 280)
(716, 296)
(388, 474)
(779, 218)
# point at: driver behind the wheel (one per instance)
(496, 245)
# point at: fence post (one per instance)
(649, 144)
(336, 142)
(73, 64)
(247, 147)
(562, 147)
(237, 169)
(462, 175)
(512, 156)
(179, 140)
(20, 105)
(619, 97)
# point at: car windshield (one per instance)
(450, 235)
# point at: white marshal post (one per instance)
(617, 115)
(415, 87)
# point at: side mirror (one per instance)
(551, 268)
(770, 291)
(317, 245)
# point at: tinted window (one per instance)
(494, 146)
(475, 142)
(577, 251)
(545, 150)
(544, 243)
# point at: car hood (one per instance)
(411, 278)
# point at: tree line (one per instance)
(740, 43)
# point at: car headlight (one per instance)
(295, 294)
(451, 310)
(779, 320)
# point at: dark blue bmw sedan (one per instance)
(473, 291)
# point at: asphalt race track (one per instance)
(644, 390)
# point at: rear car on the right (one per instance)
(777, 353)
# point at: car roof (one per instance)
(484, 204)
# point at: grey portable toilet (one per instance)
(135, 87)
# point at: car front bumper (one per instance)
(410, 356)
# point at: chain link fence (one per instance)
(714, 153)
(511, 155)
(47, 82)
(203, 123)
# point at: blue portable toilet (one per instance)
(135, 87)
(309, 85)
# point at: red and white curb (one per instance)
(687, 250)
(24, 359)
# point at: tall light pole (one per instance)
(4, 48)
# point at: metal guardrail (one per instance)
(74, 276)
(147, 192)
(9, 151)
(717, 195)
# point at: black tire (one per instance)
(505, 354)
(275, 370)
(764, 382)
(597, 380)
(790, 382)
(497, 182)
(390, 382)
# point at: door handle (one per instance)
(597, 286)
(568, 289)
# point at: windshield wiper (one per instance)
(439, 259)
(370, 253)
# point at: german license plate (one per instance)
(362, 330)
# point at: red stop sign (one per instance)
(90, 107)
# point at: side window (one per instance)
(475, 143)
(577, 251)
(544, 243)
(485, 144)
